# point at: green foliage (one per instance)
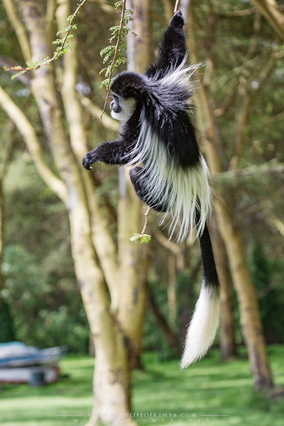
(7, 330)
(38, 317)
(153, 338)
(39, 280)
(62, 43)
(270, 298)
(140, 238)
(115, 55)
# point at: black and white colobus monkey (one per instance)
(172, 175)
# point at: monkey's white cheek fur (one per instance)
(128, 106)
(203, 326)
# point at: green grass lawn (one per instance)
(208, 393)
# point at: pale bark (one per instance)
(95, 111)
(246, 99)
(112, 386)
(171, 290)
(168, 8)
(133, 266)
(269, 10)
(103, 242)
(32, 142)
(6, 155)
(227, 326)
(249, 310)
(133, 260)
(19, 29)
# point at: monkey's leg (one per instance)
(141, 186)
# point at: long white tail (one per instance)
(203, 326)
(204, 323)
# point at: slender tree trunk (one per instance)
(249, 310)
(268, 8)
(163, 324)
(172, 287)
(112, 374)
(227, 329)
(133, 258)
(6, 155)
(116, 325)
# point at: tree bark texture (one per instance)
(249, 309)
(227, 327)
(269, 10)
(116, 326)
(133, 258)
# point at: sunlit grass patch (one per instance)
(210, 392)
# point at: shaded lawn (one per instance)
(209, 393)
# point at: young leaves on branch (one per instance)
(115, 55)
(62, 43)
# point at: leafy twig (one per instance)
(62, 48)
(142, 238)
(115, 55)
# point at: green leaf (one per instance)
(106, 50)
(139, 238)
(17, 75)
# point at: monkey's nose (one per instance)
(115, 107)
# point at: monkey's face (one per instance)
(122, 108)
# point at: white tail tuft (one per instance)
(203, 326)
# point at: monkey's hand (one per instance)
(115, 152)
(89, 159)
(177, 20)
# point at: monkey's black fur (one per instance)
(165, 107)
(157, 132)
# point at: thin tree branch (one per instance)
(95, 111)
(101, 236)
(170, 245)
(19, 30)
(273, 220)
(121, 24)
(32, 142)
(58, 52)
(7, 152)
(269, 10)
(269, 167)
(176, 6)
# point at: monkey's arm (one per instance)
(115, 152)
(172, 49)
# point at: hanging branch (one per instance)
(145, 238)
(176, 6)
(62, 48)
(116, 55)
(142, 238)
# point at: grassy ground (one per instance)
(208, 393)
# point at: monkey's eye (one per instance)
(113, 96)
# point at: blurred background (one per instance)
(69, 273)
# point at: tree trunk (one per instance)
(6, 155)
(227, 328)
(112, 377)
(133, 258)
(268, 8)
(249, 310)
(171, 290)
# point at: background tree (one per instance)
(239, 113)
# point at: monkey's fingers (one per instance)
(87, 163)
